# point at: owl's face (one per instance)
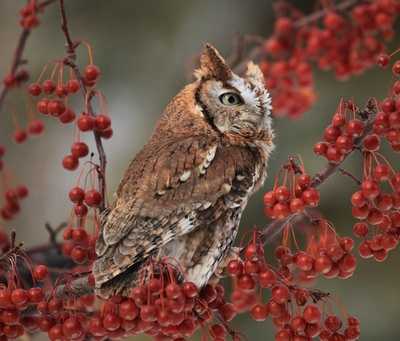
(232, 104)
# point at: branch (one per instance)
(274, 228)
(88, 95)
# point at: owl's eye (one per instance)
(230, 98)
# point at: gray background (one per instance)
(143, 48)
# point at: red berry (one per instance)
(67, 116)
(259, 312)
(20, 136)
(19, 297)
(355, 127)
(92, 72)
(312, 314)
(383, 60)
(111, 322)
(40, 272)
(269, 199)
(370, 189)
(22, 191)
(48, 86)
(296, 205)
(72, 328)
(281, 211)
(311, 197)
(79, 149)
(102, 122)
(321, 148)
(70, 162)
(73, 86)
(79, 255)
(35, 127)
(42, 106)
(93, 198)
(333, 21)
(372, 143)
(85, 122)
(35, 89)
(280, 294)
(77, 195)
(396, 68)
(128, 310)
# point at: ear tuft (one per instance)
(212, 65)
(255, 74)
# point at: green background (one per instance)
(144, 49)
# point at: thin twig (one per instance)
(348, 174)
(88, 95)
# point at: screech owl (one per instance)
(184, 193)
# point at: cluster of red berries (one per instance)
(79, 245)
(291, 85)
(14, 301)
(325, 254)
(253, 274)
(340, 136)
(377, 209)
(348, 44)
(292, 196)
(35, 127)
(12, 197)
(163, 308)
(28, 13)
(16, 79)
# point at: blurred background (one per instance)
(143, 49)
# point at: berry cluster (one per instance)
(12, 197)
(160, 306)
(340, 136)
(16, 301)
(325, 254)
(28, 14)
(293, 195)
(347, 43)
(378, 209)
(289, 306)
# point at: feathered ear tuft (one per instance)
(254, 74)
(212, 65)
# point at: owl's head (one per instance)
(233, 104)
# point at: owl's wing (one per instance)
(164, 191)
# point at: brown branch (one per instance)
(88, 95)
(274, 228)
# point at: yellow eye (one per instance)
(230, 98)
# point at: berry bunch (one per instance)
(347, 43)
(12, 197)
(341, 135)
(16, 301)
(378, 210)
(325, 254)
(28, 14)
(253, 274)
(293, 195)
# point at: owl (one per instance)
(183, 194)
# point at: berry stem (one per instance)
(88, 94)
